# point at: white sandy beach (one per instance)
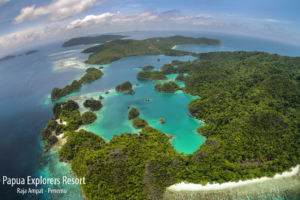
(216, 186)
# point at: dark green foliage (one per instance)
(139, 123)
(168, 69)
(91, 40)
(147, 68)
(133, 113)
(69, 105)
(153, 75)
(77, 141)
(93, 104)
(168, 87)
(88, 117)
(90, 75)
(250, 103)
(116, 49)
(125, 87)
(130, 166)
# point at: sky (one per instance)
(27, 23)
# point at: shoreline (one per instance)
(217, 186)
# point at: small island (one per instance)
(90, 75)
(125, 88)
(88, 117)
(153, 75)
(91, 40)
(93, 104)
(133, 113)
(147, 68)
(31, 52)
(168, 87)
(7, 57)
(139, 123)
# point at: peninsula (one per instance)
(91, 40)
(117, 49)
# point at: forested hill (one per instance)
(91, 40)
(117, 49)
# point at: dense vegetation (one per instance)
(147, 68)
(90, 75)
(117, 49)
(250, 102)
(93, 104)
(130, 166)
(125, 87)
(153, 75)
(168, 69)
(168, 87)
(139, 123)
(91, 40)
(133, 113)
(88, 117)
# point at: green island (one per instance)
(125, 87)
(168, 69)
(250, 103)
(147, 68)
(139, 123)
(151, 75)
(117, 49)
(88, 117)
(168, 87)
(90, 75)
(133, 113)
(93, 104)
(91, 40)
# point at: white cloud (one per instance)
(57, 10)
(4, 2)
(118, 22)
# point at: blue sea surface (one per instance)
(26, 82)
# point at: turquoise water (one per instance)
(113, 119)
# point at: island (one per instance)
(117, 49)
(91, 40)
(139, 123)
(93, 104)
(125, 87)
(250, 102)
(7, 57)
(167, 87)
(31, 52)
(90, 75)
(151, 75)
(147, 68)
(133, 113)
(88, 117)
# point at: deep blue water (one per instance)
(26, 81)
